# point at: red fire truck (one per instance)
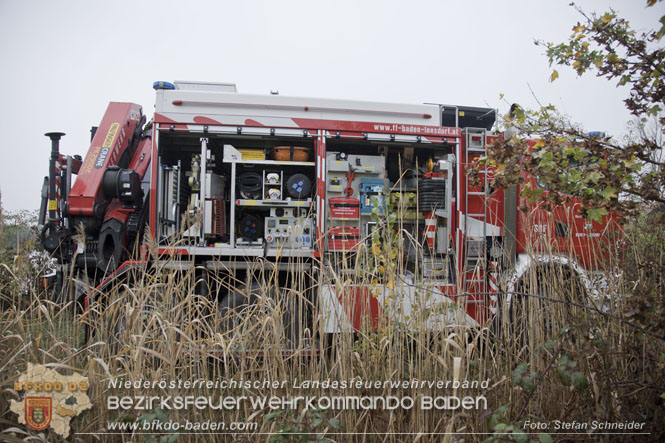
(218, 181)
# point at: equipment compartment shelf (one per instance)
(274, 163)
(269, 203)
(231, 155)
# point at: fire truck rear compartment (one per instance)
(245, 191)
(387, 178)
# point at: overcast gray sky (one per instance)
(63, 61)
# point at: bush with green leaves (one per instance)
(606, 175)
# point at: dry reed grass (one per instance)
(164, 323)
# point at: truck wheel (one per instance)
(123, 311)
(105, 319)
(129, 317)
(539, 307)
(509, 324)
(252, 318)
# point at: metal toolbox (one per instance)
(343, 238)
(344, 207)
(371, 191)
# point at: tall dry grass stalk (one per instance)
(166, 322)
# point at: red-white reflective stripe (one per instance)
(430, 229)
(492, 278)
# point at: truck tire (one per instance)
(252, 318)
(122, 307)
(539, 306)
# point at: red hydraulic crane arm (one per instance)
(114, 137)
(138, 164)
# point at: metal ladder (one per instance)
(475, 266)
